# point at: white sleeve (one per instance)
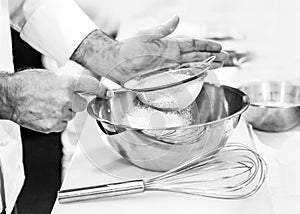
(53, 27)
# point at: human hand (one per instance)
(149, 49)
(45, 101)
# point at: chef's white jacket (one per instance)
(53, 27)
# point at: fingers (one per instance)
(189, 45)
(215, 65)
(60, 127)
(91, 86)
(50, 125)
(160, 31)
(200, 56)
(79, 103)
(67, 113)
(70, 109)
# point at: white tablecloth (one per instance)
(95, 163)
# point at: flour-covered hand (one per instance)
(148, 49)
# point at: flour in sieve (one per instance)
(176, 97)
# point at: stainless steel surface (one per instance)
(230, 172)
(101, 191)
(213, 117)
(275, 105)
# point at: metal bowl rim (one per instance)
(290, 106)
(244, 96)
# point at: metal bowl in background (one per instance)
(275, 105)
(214, 115)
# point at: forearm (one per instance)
(92, 44)
(6, 110)
(97, 52)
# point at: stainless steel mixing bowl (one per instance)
(214, 115)
(275, 105)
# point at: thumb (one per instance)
(91, 86)
(161, 31)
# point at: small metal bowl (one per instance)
(274, 106)
(213, 117)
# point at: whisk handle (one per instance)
(101, 191)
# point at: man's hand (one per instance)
(45, 101)
(149, 49)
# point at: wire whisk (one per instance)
(232, 171)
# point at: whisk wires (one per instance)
(231, 172)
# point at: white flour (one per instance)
(177, 97)
(148, 118)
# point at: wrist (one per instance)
(7, 109)
(90, 46)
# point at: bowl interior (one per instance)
(273, 94)
(214, 103)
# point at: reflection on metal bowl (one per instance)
(214, 115)
(275, 106)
